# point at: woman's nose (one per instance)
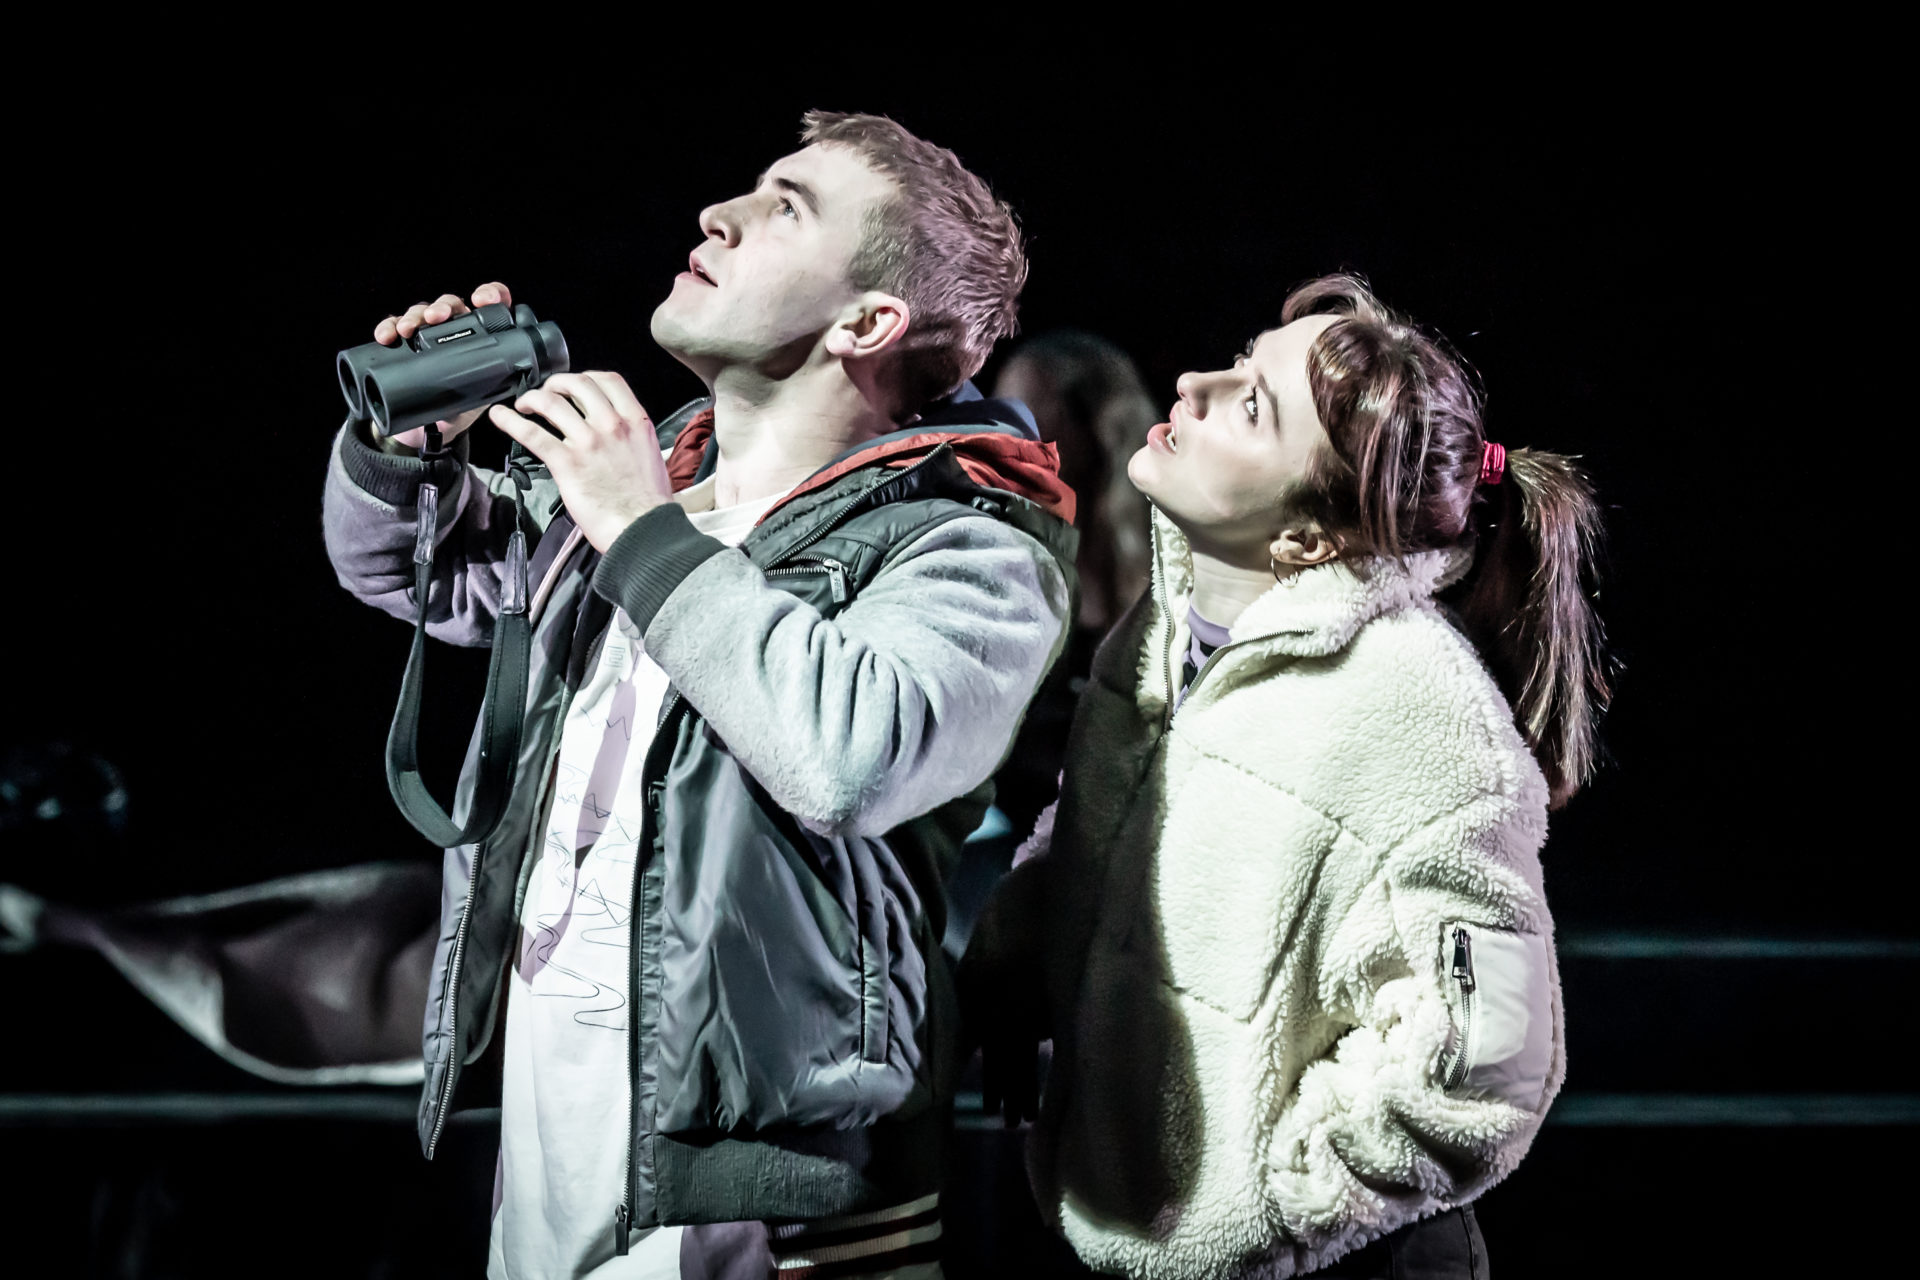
(1191, 388)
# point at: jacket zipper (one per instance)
(1166, 666)
(623, 1214)
(453, 1007)
(1463, 978)
(453, 982)
(1207, 666)
(846, 508)
(835, 571)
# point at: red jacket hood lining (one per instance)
(1020, 466)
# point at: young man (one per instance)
(780, 643)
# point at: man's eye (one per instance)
(786, 208)
(1253, 408)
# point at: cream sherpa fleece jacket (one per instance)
(1252, 919)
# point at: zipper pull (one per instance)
(621, 1216)
(837, 580)
(426, 523)
(1463, 959)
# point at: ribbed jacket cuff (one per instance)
(395, 478)
(650, 559)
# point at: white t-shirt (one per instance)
(564, 1103)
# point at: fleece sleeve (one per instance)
(369, 516)
(1382, 1130)
(858, 722)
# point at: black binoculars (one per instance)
(488, 356)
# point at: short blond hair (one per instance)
(945, 245)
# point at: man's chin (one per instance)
(673, 335)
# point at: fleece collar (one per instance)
(1312, 613)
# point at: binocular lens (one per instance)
(349, 378)
(376, 404)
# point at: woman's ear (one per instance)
(878, 321)
(1303, 546)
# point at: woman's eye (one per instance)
(1252, 404)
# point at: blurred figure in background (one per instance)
(1090, 402)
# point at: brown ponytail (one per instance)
(1403, 417)
(1527, 604)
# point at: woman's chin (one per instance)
(1140, 469)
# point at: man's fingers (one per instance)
(555, 408)
(439, 311)
(394, 328)
(538, 441)
(408, 322)
(442, 309)
(582, 391)
(618, 394)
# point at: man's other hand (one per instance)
(1010, 1076)
(396, 329)
(606, 457)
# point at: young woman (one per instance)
(1295, 956)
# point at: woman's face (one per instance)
(1236, 442)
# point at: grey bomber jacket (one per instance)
(845, 683)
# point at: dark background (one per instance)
(1649, 268)
(1669, 264)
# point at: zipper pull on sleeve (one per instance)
(620, 1231)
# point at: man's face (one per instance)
(772, 275)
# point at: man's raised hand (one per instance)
(396, 329)
(606, 457)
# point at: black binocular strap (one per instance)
(502, 714)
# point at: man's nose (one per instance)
(722, 223)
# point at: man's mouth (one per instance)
(697, 271)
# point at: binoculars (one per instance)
(485, 357)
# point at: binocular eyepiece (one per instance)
(490, 355)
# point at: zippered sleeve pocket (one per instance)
(1499, 993)
(839, 577)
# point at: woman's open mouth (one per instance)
(1164, 437)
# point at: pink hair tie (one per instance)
(1493, 462)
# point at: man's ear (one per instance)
(1303, 546)
(877, 321)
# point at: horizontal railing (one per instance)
(1584, 1110)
